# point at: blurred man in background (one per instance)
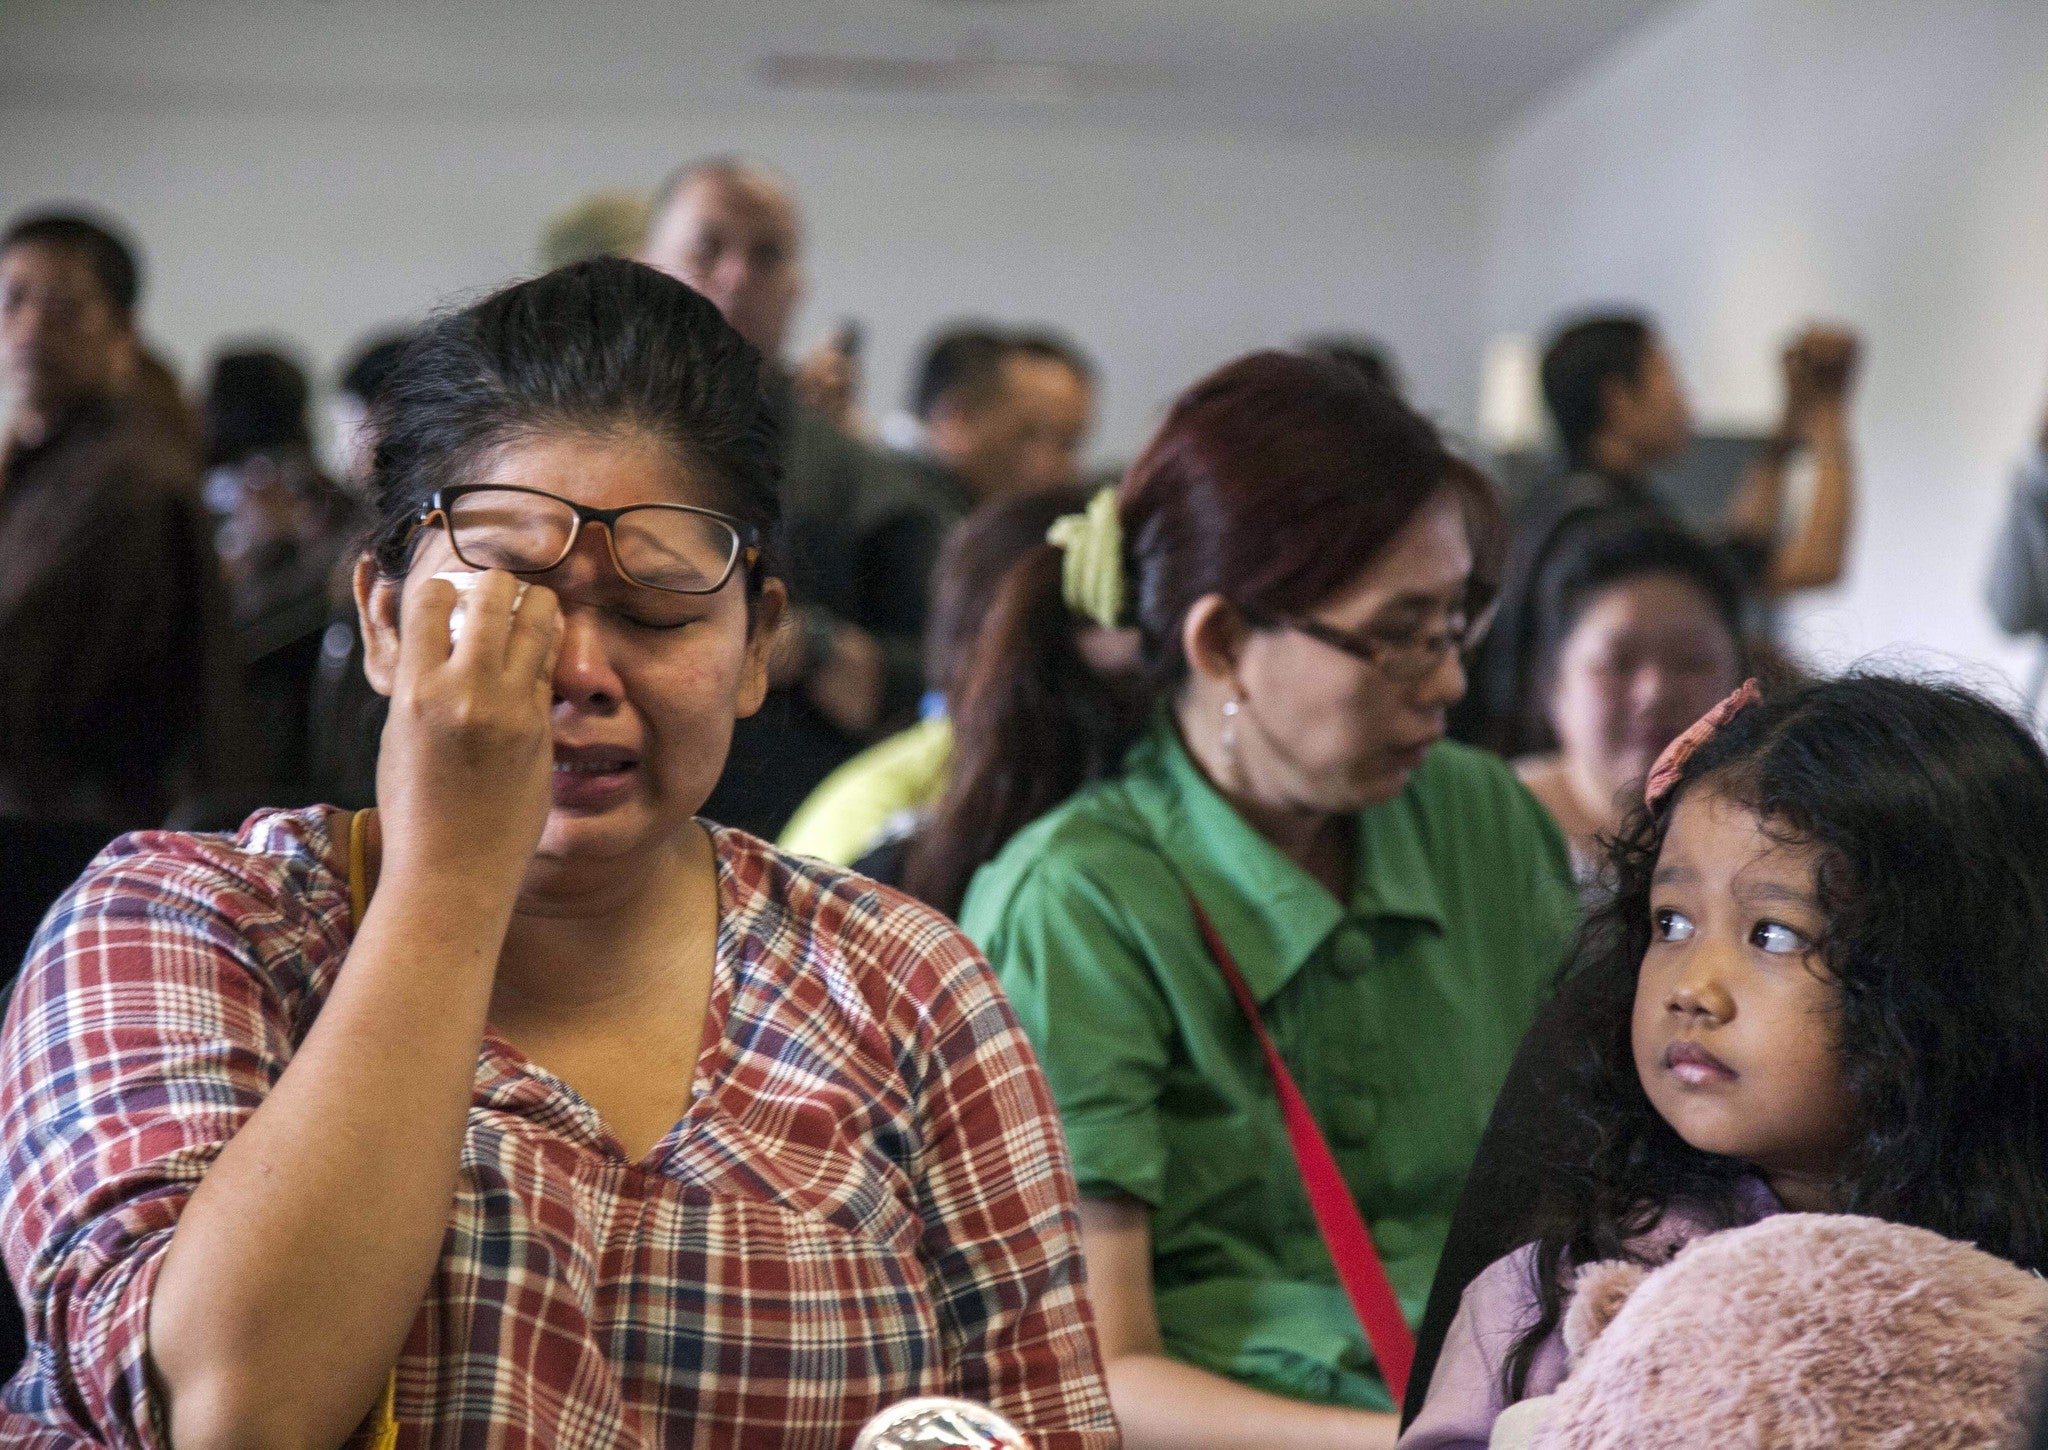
(861, 529)
(347, 721)
(1049, 395)
(957, 387)
(2018, 586)
(284, 529)
(1621, 410)
(1000, 414)
(118, 692)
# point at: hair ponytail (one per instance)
(1033, 722)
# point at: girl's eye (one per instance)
(1778, 939)
(1672, 925)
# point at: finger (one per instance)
(535, 635)
(544, 673)
(424, 609)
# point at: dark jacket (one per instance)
(118, 690)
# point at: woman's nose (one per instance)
(1650, 686)
(1444, 686)
(584, 673)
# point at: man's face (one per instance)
(1055, 409)
(61, 337)
(1028, 438)
(734, 238)
(1653, 415)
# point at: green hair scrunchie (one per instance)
(1092, 573)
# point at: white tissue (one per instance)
(465, 580)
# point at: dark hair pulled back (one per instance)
(1273, 482)
(598, 347)
(1929, 809)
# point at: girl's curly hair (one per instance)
(1929, 809)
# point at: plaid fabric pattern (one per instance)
(868, 1197)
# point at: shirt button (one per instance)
(1351, 952)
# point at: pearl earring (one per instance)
(1229, 737)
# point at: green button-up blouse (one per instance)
(1397, 1011)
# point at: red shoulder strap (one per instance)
(1359, 1268)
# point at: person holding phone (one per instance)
(861, 529)
(1621, 411)
(597, 1123)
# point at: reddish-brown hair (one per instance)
(1273, 482)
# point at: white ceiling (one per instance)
(1438, 68)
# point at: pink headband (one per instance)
(1664, 774)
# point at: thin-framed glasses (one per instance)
(1404, 658)
(667, 546)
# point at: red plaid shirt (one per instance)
(867, 1199)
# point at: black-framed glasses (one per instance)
(669, 546)
(1405, 657)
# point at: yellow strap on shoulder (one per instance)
(365, 851)
(380, 1431)
(365, 855)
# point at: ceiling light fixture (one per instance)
(1014, 79)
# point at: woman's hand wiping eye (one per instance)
(467, 761)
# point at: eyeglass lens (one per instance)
(1414, 659)
(658, 546)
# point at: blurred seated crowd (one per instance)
(1242, 809)
(182, 642)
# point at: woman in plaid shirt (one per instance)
(606, 1126)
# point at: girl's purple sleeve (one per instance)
(1465, 1393)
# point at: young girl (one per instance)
(1821, 986)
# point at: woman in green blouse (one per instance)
(1296, 552)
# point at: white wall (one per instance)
(1745, 165)
(1737, 166)
(1163, 253)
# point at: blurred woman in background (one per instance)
(1637, 629)
(873, 812)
